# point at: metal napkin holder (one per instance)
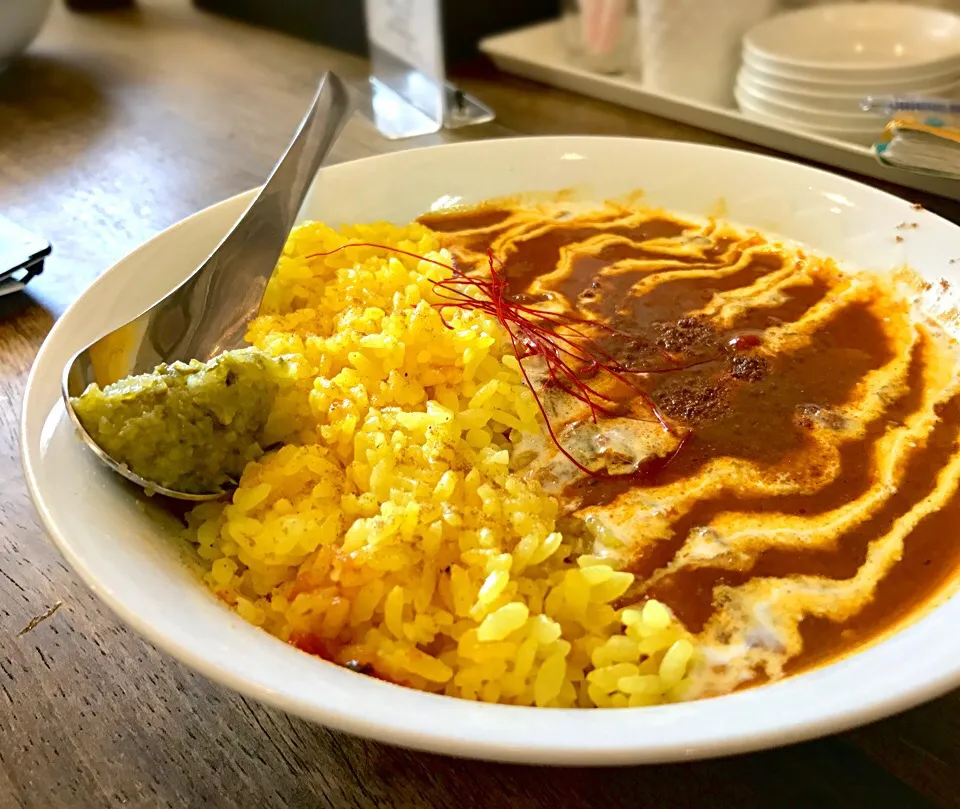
(410, 92)
(22, 256)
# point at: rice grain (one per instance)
(390, 531)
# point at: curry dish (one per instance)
(815, 505)
(567, 457)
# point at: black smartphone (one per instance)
(21, 256)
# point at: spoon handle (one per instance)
(210, 312)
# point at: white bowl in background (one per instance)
(852, 118)
(850, 39)
(863, 135)
(20, 22)
(873, 86)
(891, 74)
(133, 560)
(833, 101)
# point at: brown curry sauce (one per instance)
(742, 400)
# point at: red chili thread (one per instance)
(526, 327)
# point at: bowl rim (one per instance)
(910, 84)
(824, 129)
(473, 728)
(826, 75)
(749, 75)
(768, 97)
(907, 12)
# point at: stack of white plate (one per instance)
(811, 69)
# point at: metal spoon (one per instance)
(209, 312)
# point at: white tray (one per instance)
(536, 53)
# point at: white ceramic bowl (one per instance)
(872, 86)
(851, 117)
(864, 135)
(834, 98)
(851, 40)
(828, 76)
(133, 560)
(20, 22)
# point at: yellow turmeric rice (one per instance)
(392, 531)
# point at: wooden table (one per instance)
(115, 127)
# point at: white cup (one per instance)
(691, 48)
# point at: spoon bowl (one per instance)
(209, 312)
